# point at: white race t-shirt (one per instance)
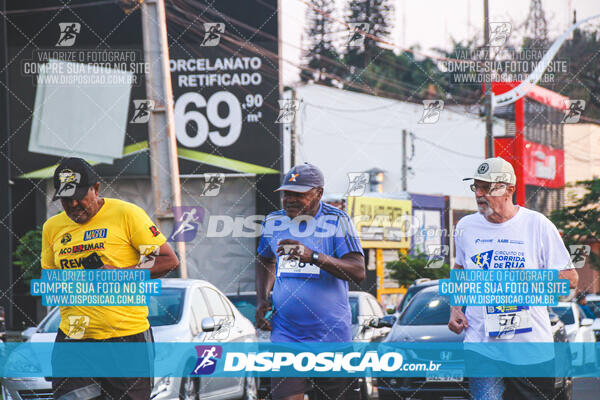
(526, 241)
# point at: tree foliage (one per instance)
(411, 267)
(321, 56)
(579, 223)
(27, 254)
(379, 14)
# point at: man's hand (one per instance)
(261, 321)
(294, 249)
(458, 321)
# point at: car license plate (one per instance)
(450, 375)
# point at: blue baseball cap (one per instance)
(302, 178)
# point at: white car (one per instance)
(593, 302)
(579, 331)
(187, 310)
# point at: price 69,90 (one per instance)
(232, 121)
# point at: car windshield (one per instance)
(427, 308)
(595, 307)
(165, 309)
(51, 324)
(354, 309)
(565, 314)
(246, 305)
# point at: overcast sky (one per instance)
(432, 23)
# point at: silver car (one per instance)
(187, 310)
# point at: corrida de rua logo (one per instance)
(499, 259)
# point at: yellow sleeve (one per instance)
(47, 256)
(142, 230)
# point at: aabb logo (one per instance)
(94, 234)
(207, 359)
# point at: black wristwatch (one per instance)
(315, 257)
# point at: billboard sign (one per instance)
(382, 223)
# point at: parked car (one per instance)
(366, 313)
(187, 310)
(425, 319)
(413, 289)
(593, 302)
(579, 331)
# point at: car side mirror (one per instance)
(385, 322)
(587, 322)
(208, 324)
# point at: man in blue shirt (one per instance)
(307, 253)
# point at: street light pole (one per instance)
(489, 139)
(164, 165)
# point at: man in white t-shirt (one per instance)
(504, 235)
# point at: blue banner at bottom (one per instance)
(266, 359)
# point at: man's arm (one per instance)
(165, 262)
(571, 275)
(162, 263)
(458, 320)
(351, 267)
(265, 278)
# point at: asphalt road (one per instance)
(586, 388)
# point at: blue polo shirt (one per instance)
(309, 303)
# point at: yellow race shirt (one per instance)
(116, 233)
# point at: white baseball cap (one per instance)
(495, 169)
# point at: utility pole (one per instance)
(6, 239)
(404, 163)
(489, 139)
(164, 166)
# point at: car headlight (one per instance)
(161, 384)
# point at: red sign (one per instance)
(543, 165)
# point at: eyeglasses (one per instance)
(488, 189)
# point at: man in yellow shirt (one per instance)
(96, 232)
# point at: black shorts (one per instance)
(102, 388)
(319, 388)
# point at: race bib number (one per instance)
(504, 322)
(294, 268)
